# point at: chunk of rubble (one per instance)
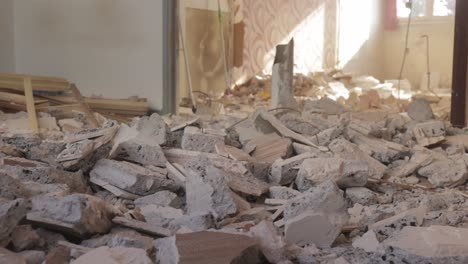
(77, 214)
(142, 227)
(162, 198)
(429, 133)
(32, 256)
(207, 190)
(445, 173)
(284, 172)
(27, 170)
(284, 193)
(24, 237)
(321, 212)
(130, 177)
(11, 187)
(420, 110)
(116, 255)
(159, 215)
(299, 125)
(347, 150)
(385, 228)
(121, 238)
(434, 244)
(361, 195)
(270, 241)
(211, 248)
(197, 140)
(11, 213)
(346, 173)
(140, 152)
(368, 242)
(152, 130)
(9, 257)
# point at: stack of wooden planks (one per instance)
(57, 94)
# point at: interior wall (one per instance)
(7, 49)
(327, 33)
(112, 48)
(441, 35)
(361, 38)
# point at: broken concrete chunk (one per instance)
(39, 172)
(368, 242)
(284, 172)
(9, 257)
(77, 214)
(34, 188)
(326, 197)
(159, 215)
(197, 140)
(211, 248)
(429, 133)
(270, 241)
(139, 152)
(420, 110)
(59, 254)
(167, 251)
(162, 198)
(346, 173)
(121, 238)
(207, 191)
(116, 255)
(445, 173)
(24, 237)
(308, 228)
(418, 160)
(131, 177)
(385, 228)
(194, 222)
(152, 130)
(11, 213)
(11, 187)
(32, 256)
(299, 125)
(435, 244)
(361, 195)
(282, 92)
(347, 150)
(285, 193)
(315, 217)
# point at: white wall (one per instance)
(7, 57)
(441, 36)
(361, 37)
(112, 48)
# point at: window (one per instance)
(426, 8)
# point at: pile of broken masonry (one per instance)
(325, 185)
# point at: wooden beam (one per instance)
(459, 111)
(28, 92)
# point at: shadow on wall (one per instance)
(315, 25)
(312, 23)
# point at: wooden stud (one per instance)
(28, 92)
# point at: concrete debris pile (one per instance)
(323, 185)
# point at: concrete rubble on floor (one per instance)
(324, 183)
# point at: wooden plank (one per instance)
(18, 98)
(460, 66)
(28, 92)
(84, 106)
